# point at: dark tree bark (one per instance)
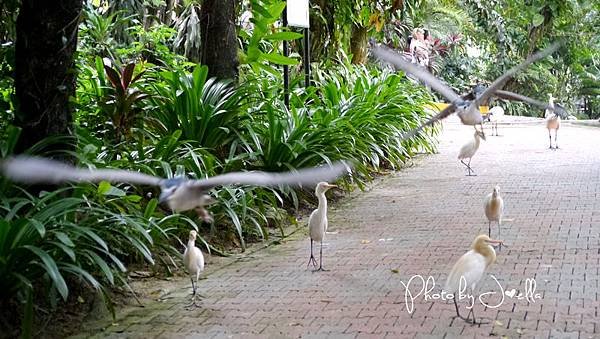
(44, 72)
(322, 32)
(219, 41)
(359, 44)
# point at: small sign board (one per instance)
(297, 13)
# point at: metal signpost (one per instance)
(296, 15)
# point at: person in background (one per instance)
(419, 48)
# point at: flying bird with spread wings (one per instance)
(466, 108)
(179, 193)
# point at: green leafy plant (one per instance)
(206, 111)
(122, 102)
(97, 31)
(264, 41)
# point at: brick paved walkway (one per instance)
(418, 222)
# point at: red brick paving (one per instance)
(419, 221)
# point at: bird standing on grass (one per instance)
(468, 150)
(179, 193)
(193, 260)
(494, 206)
(317, 223)
(552, 121)
(470, 268)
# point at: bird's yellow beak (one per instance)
(494, 241)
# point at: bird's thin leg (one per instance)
(469, 314)
(321, 259)
(457, 312)
(312, 257)
(499, 237)
(469, 169)
(471, 172)
(490, 228)
(474, 320)
(194, 286)
(550, 137)
(556, 139)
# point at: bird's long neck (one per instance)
(487, 252)
(550, 111)
(477, 140)
(322, 203)
(191, 243)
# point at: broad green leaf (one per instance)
(253, 53)
(538, 19)
(76, 270)
(150, 208)
(279, 59)
(133, 198)
(38, 226)
(276, 9)
(49, 265)
(283, 36)
(105, 188)
(64, 239)
(102, 265)
(92, 235)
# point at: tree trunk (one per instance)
(44, 72)
(219, 38)
(536, 33)
(359, 44)
(322, 32)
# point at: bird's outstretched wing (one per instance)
(441, 115)
(385, 54)
(498, 83)
(561, 111)
(451, 108)
(307, 176)
(518, 97)
(36, 170)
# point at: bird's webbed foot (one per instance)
(472, 320)
(320, 269)
(193, 303)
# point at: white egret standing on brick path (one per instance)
(468, 150)
(494, 206)
(496, 114)
(317, 223)
(193, 260)
(469, 270)
(552, 122)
